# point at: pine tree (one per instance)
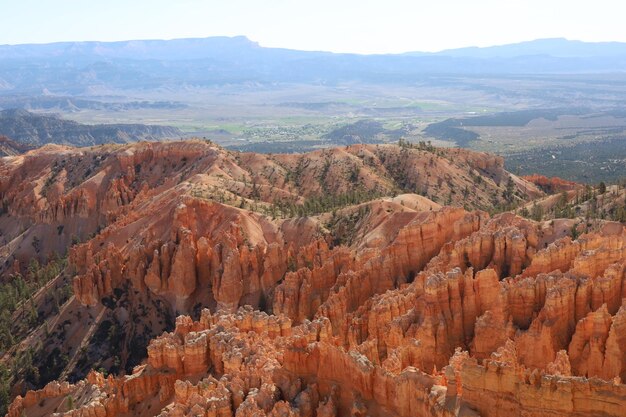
(537, 212)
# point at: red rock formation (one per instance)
(274, 368)
(393, 307)
(60, 193)
(551, 185)
(499, 389)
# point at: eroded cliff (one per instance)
(387, 306)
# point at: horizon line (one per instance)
(307, 50)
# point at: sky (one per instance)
(358, 26)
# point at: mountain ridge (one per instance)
(133, 48)
(79, 68)
(559, 47)
(34, 129)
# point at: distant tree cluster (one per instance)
(591, 203)
(324, 203)
(421, 145)
(19, 314)
(344, 227)
(5, 388)
(585, 162)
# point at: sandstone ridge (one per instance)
(295, 295)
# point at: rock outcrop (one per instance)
(473, 340)
(60, 195)
(382, 307)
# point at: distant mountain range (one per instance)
(242, 48)
(25, 130)
(82, 68)
(10, 148)
(555, 47)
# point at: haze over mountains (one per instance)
(77, 67)
(554, 47)
(32, 129)
(248, 97)
(241, 46)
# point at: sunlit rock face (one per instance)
(389, 307)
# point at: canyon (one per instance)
(374, 280)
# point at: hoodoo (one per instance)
(208, 282)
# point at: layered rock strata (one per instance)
(462, 336)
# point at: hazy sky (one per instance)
(363, 26)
